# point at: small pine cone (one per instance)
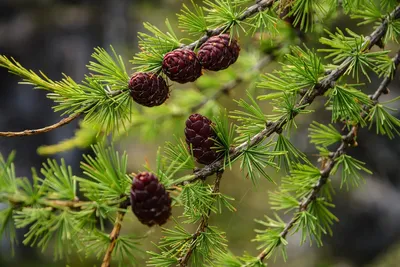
(148, 89)
(219, 52)
(182, 66)
(150, 202)
(199, 134)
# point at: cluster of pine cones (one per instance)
(150, 201)
(182, 66)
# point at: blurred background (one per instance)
(58, 36)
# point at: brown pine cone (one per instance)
(149, 201)
(182, 66)
(219, 52)
(148, 89)
(199, 135)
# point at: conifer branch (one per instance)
(348, 140)
(249, 12)
(324, 85)
(46, 129)
(183, 261)
(383, 86)
(115, 232)
(229, 86)
(75, 204)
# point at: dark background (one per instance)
(59, 36)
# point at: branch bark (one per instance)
(115, 233)
(46, 129)
(19, 200)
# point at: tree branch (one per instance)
(324, 85)
(249, 12)
(59, 124)
(347, 141)
(183, 261)
(115, 232)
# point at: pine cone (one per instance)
(149, 200)
(198, 133)
(182, 66)
(219, 52)
(148, 89)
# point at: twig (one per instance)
(62, 122)
(347, 141)
(115, 233)
(252, 10)
(228, 87)
(19, 200)
(383, 86)
(323, 86)
(183, 261)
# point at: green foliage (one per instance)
(283, 201)
(303, 69)
(7, 226)
(347, 104)
(193, 22)
(109, 69)
(197, 200)
(209, 244)
(263, 22)
(180, 154)
(301, 180)
(173, 242)
(324, 135)
(271, 237)
(310, 228)
(227, 260)
(319, 208)
(305, 13)
(46, 226)
(103, 97)
(58, 180)
(8, 181)
(106, 172)
(223, 13)
(385, 123)
(255, 159)
(351, 168)
(252, 119)
(206, 245)
(373, 12)
(225, 133)
(50, 208)
(291, 157)
(352, 49)
(126, 248)
(285, 109)
(154, 47)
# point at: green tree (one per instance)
(52, 211)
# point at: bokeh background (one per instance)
(58, 36)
